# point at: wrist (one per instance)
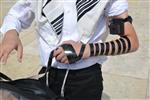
(12, 32)
(11, 36)
(87, 52)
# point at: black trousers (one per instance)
(83, 84)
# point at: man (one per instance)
(75, 30)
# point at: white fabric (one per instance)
(22, 14)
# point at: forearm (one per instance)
(119, 46)
(128, 41)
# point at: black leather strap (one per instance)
(107, 48)
(113, 47)
(97, 49)
(43, 70)
(128, 19)
(102, 48)
(70, 53)
(92, 49)
(129, 42)
(119, 46)
(82, 51)
(50, 60)
(123, 45)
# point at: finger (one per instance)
(4, 58)
(20, 53)
(57, 51)
(1, 52)
(66, 62)
(64, 59)
(60, 56)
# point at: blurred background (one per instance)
(126, 77)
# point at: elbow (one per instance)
(135, 46)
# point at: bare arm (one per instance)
(126, 43)
(130, 32)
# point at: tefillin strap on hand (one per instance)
(71, 53)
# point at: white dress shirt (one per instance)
(22, 14)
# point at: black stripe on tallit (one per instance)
(58, 21)
(85, 6)
(44, 7)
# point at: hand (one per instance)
(60, 55)
(10, 42)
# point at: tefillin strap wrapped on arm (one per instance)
(116, 47)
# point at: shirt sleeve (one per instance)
(19, 17)
(116, 7)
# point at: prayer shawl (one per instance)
(88, 13)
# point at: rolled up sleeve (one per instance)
(19, 17)
(116, 7)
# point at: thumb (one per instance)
(20, 52)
